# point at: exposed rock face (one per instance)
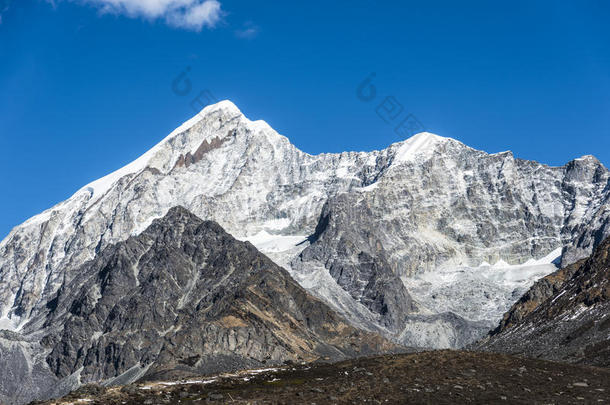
(564, 316)
(421, 205)
(344, 241)
(450, 207)
(183, 296)
(589, 234)
(23, 373)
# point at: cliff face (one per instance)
(564, 316)
(186, 297)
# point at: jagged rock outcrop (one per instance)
(589, 234)
(182, 297)
(564, 316)
(358, 261)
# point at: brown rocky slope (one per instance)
(564, 316)
(186, 297)
(441, 377)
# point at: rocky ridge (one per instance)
(183, 297)
(564, 316)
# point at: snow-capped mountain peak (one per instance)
(348, 226)
(183, 141)
(418, 146)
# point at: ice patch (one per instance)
(279, 248)
(557, 297)
(260, 370)
(269, 243)
(552, 257)
(12, 324)
(370, 187)
(482, 293)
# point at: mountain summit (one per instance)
(182, 298)
(379, 236)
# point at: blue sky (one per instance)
(86, 86)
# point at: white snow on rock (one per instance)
(417, 147)
(439, 209)
(482, 293)
(10, 324)
(99, 187)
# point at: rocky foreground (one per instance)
(439, 377)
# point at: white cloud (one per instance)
(189, 14)
(248, 31)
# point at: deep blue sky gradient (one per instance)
(83, 94)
